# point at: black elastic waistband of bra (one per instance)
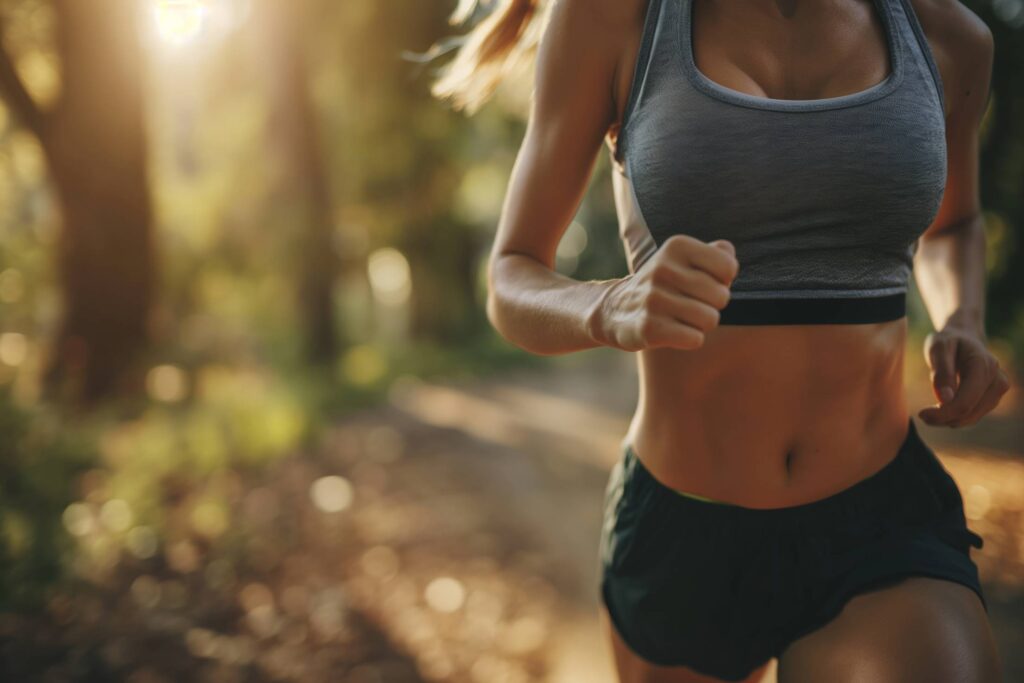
(814, 311)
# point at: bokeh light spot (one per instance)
(445, 594)
(116, 515)
(380, 561)
(210, 519)
(145, 591)
(255, 595)
(141, 542)
(978, 501)
(331, 493)
(183, 557)
(166, 383)
(390, 276)
(13, 348)
(78, 519)
(525, 634)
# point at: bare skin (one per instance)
(760, 416)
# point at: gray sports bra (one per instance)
(824, 199)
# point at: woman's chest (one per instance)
(746, 173)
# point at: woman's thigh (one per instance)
(633, 669)
(919, 629)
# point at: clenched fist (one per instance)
(672, 300)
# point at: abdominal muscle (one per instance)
(772, 416)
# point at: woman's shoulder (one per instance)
(953, 30)
(612, 13)
(963, 47)
(610, 17)
(588, 37)
(608, 31)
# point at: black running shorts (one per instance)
(722, 589)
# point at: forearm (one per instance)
(541, 310)
(949, 268)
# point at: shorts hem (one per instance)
(656, 660)
(877, 582)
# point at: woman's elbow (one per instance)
(500, 313)
(493, 310)
(495, 304)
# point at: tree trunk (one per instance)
(294, 128)
(94, 141)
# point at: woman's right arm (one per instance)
(674, 298)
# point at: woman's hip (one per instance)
(684, 577)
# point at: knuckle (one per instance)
(734, 268)
(714, 316)
(654, 300)
(648, 328)
(708, 316)
(692, 339)
(660, 274)
(724, 295)
(658, 260)
(692, 281)
(678, 244)
(699, 314)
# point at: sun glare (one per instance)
(179, 21)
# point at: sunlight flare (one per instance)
(179, 21)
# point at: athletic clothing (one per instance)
(722, 589)
(824, 199)
(703, 498)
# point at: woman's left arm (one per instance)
(949, 265)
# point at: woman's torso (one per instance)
(772, 415)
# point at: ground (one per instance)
(449, 535)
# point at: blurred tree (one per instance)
(294, 130)
(93, 139)
(1002, 170)
(407, 155)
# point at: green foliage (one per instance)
(40, 457)
(1002, 171)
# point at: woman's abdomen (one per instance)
(771, 416)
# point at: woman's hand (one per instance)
(672, 301)
(953, 352)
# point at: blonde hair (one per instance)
(505, 39)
